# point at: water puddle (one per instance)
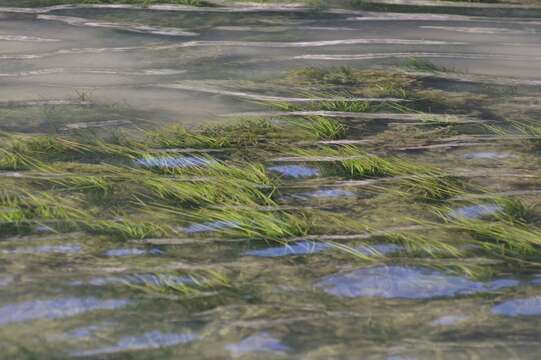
(47, 249)
(126, 252)
(150, 340)
(519, 307)
(487, 155)
(5, 281)
(295, 171)
(86, 332)
(295, 249)
(383, 249)
(396, 282)
(263, 342)
(324, 194)
(173, 162)
(449, 320)
(137, 279)
(210, 226)
(476, 211)
(55, 308)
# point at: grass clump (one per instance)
(248, 132)
(431, 186)
(352, 106)
(357, 83)
(83, 183)
(27, 152)
(217, 191)
(251, 173)
(23, 211)
(360, 82)
(186, 285)
(531, 131)
(351, 162)
(250, 223)
(320, 127)
(127, 230)
(503, 238)
(10, 160)
(345, 105)
(263, 225)
(423, 245)
(41, 206)
(516, 211)
(240, 133)
(421, 182)
(481, 240)
(423, 65)
(178, 136)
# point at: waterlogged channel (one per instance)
(320, 180)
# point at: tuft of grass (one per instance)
(251, 173)
(22, 211)
(339, 105)
(127, 230)
(353, 106)
(250, 223)
(47, 144)
(431, 186)
(350, 162)
(515, 210)
(423, 65)
(423, 182)
(190, 285)
(420, 244)
(320, 127)
(531, 130)
(13, 221)
(362, 82)
(10, 160)
(178, 136)
(503, 238)
(354, 163)
(83, 183)
(26, 152)
(41, 206)
(239, 133)
(247, 132)
(215, 191)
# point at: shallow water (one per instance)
(104, 69)
(101, 52)
(405, 283)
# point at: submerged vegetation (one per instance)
(232, 180)
(379, 173)
(383, 207)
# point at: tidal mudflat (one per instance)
(257, 180)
